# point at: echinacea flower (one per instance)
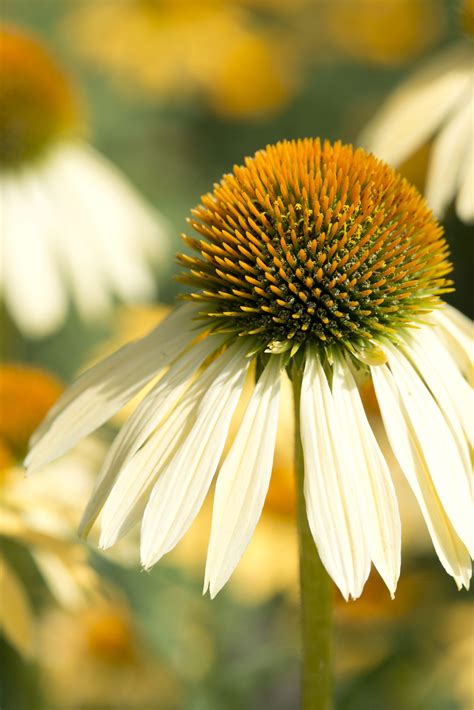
(435, 104)
(39, 517)
(73, 229)
(321, 260)
(102, 645)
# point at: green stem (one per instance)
(315, 586)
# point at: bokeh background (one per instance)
(174, 93)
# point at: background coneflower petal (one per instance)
(446, 157)
(33, 290)
(431, 93)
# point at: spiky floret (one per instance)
(37, 104)
(314, 243)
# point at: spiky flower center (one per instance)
(37, 105)
(314, 243)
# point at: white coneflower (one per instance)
(38, 518)
(435, 104)
(72, 226)
(321, 260)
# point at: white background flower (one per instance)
(435, 104)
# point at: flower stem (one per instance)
(315, 586)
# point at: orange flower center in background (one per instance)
(467, 17)
(109, 635)
(37, 105)
(26, 394)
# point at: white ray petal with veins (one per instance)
(243, 480)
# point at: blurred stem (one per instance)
(315, 592)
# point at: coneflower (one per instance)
(319, 260)
(66, 211)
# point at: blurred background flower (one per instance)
(206, 84)
(38, 516)
(117, 666)
(207, 50)
(72, 227)
(435, 105)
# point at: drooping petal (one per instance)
(376, 494)
(124, 500)
(465, 198)
(33, 290)
(449, 548)
(75, 244)
(155, 407)
(101, 391)
(112, 218)
(437, 445)
(429, 96)
(331, 498)
(450, 389)
(243, 480)
(446, 159)
(125, 487)
(182, 486)
(458, 333)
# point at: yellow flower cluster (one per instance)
(211, 51)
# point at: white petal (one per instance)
(447, 159)
(33, 290)
(111, 218)
(449, 548)
(437, 445)
(458, 332)
(101, 391)
(183, 485)
(125, 211)
(73, 242)
(446, 383)
(331, 498)
(243, 480)
(128, 496)
(377, 500)
(157, 406)
(415, 110)
(465, 199)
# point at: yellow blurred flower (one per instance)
(387, 32)
(466, 12)
(40, 513)
(193, 50)
(95, 658)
